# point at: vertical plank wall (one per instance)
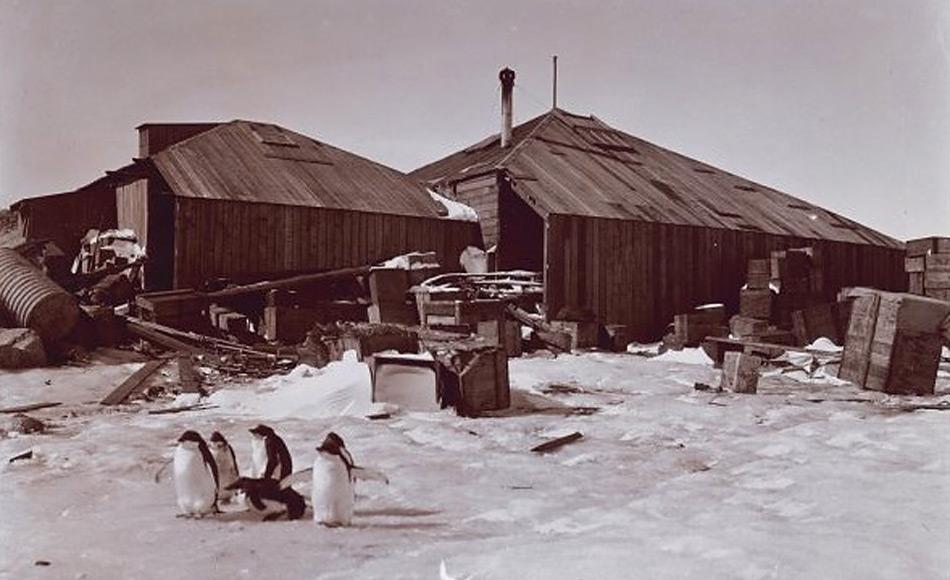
(248, 241)
(641, 274)
(65, 218)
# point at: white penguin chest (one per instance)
(258, 456)
(332, 491)
(194, 482)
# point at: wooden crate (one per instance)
(475, 381)
(855, 358)
(504, 334)
(291, 324)
(584, 334)
(755, 303)
(411, 383)
(462, 312)
(388, 285)
(897, 357)
(615, 337)
(813, 322)
(743, 326)
(393, 313)
(924, 246)
(740, 372)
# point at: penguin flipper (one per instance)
(295, 477)
(369, 474)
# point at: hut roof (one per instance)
(562, 163)
(260, 162)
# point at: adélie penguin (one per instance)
(196, 476)
(267, 497)
(269, 454)
(223, 455)
(332, 493)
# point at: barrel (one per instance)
(34, 301)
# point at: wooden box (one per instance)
(813, 322)
(924, 246)
(584, 334)
(755, 303)
(740, 372)
(743, 326)
(462, 312)
(504, 334)
(410, 382)
(856, 356)
(475, 381)
(393, 313)
(388, 285)
(615, 337)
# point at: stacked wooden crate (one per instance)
(757, 307)
(387, 289)
(893, 342)
(928, 267)
(692, 327)
(755, 299)
(797, 275)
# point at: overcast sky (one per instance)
(843, 103)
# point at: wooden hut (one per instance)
(634, 232)
(247, 200)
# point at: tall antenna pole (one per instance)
(554, 88)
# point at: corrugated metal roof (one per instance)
(563, 163)
(261, 162)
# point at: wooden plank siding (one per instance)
(66, 217)
(480, 194)
(641, 274)
(248, 241)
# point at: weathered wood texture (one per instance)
(481, 194)
(641, 274)
(66, 217)
(248, 241)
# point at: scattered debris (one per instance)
(557, 443)
(740, 373)
(182, 409)
(29, 407)
(28, 454)
(21, 348)
(134, 383)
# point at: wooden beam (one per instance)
(132, 384)
(556, 443)
(28, 408)
(290, 282)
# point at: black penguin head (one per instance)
(217, 437)
(332, 444)
(336, 439)
(191, 437)
(262, 431)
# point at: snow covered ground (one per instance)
(803, 480)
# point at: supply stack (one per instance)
(894, 341)
(928, 267)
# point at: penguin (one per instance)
(196, 476)
(269, 454)
(223, 455)
(268, 497)
(332, 494)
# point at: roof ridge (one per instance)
(521, 144)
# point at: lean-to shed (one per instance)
(634, 232)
